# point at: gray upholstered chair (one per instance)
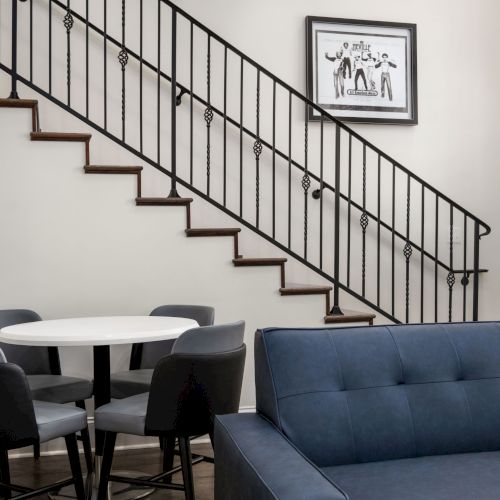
(43, 372)
(25, 422)
(200, 378)
(144, 357)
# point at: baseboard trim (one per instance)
(139, 446)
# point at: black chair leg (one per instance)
(187, 467)
(87, 446)
(76, 470)
(168, 455)
(36, 451)
(4, 472)
(107, 461)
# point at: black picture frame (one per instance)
(401, 36)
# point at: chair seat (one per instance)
(55, 420)
(468, 476)
(130, 383)
(123, 415)
(59, 388)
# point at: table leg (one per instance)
(102, 390)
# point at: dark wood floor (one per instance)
(27, 472)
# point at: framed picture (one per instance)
(362, 71)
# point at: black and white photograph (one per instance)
(362, 70)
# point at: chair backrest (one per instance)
(148, 354)
(210, 339)
(18, 426)
(189, 389)
(33, 360)
(349, 395)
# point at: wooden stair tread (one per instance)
(18, 103)
(258, 261)
(213, 231)
(60, 136)
(296, 289)
(163, 201)
(111, 169)
(349, 316)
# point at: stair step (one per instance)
(60, 136)
(108, 169)
(163, 201)
(220, 231)
(350, 317)
(295, 289)
(269, 261)
(18, 103)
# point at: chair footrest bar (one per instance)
(146, 482)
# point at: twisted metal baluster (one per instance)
(363, 221)
(306, 181)
(123, 60)
(407, 251)
(209, 116)
(257, 150)
(68, 22)
(450, 279)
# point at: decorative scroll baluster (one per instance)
(68, 22)
(450, 279)
(209, 114)
(306, 181)
(257, 151)
(407, 251)
(123, 60)
(363, 221)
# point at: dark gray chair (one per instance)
(144, 357)
(25, 422)
(43, 372)
(200, 378)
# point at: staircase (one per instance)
(324, 218)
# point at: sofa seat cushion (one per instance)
(466, 476)
(130, 382)
(59, 388)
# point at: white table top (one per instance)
(96, 331)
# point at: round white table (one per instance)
(100, 333)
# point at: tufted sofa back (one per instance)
(350, 395)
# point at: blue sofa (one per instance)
(371, 413)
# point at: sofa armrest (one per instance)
(254, 460)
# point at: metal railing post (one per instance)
(475, 278)
(13, 91)
(336, 264)
(173, 110)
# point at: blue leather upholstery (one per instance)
(380, 410)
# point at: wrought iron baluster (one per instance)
(393, 236)
(173, 109)
(50, 46)
(105, 62)
(274, 158)
(422, 254)
(257, 151)
(336, 229)
(141, 46)
(436, 256)
(349, 210)
(241, 136)
(158, 75)
(450, 279)
(378, 230)
(407, 252)
(363, 221)
(289, 170)
(465, 277)
(191, 83)
(209, 114)
(123, 60)
(475, 283)
(68, 22)
(321, 187)
(87, 58)
(31, 40)
(224, 133)
(306, 180)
